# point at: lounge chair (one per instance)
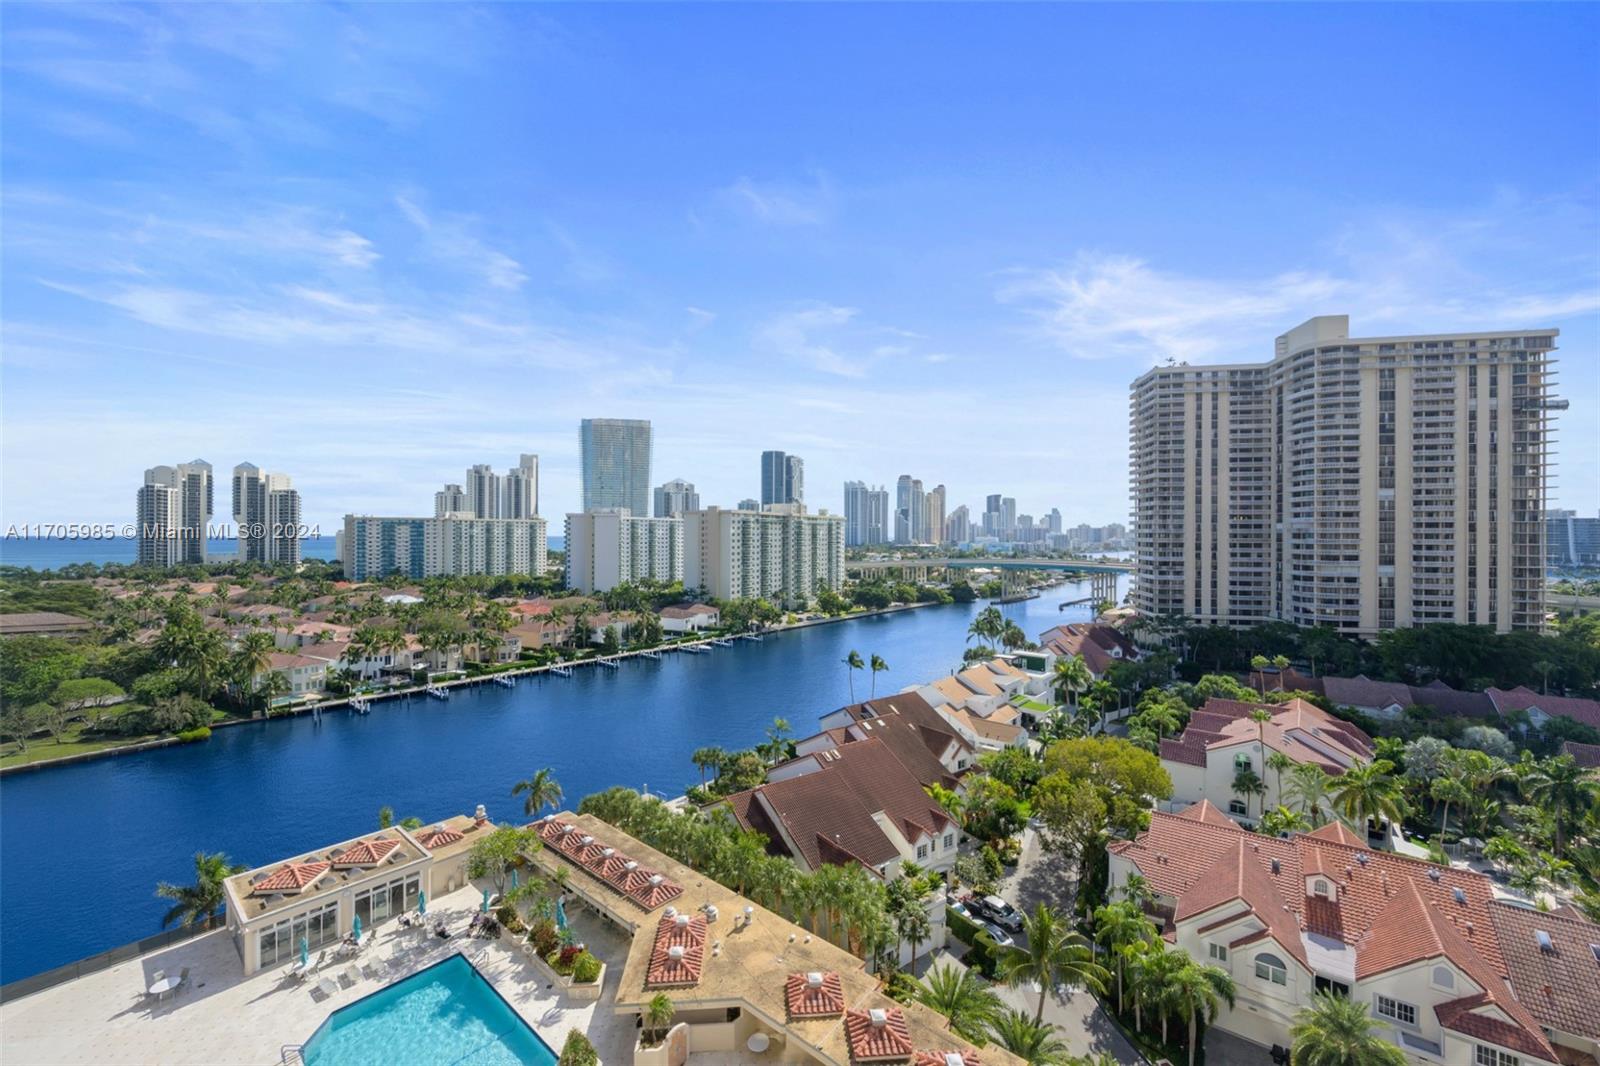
(183, 979)
(369, 966)
(351, 973)
(328, 987)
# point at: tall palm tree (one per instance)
(1198, 990)
(988, 625)
(1369, 792)
(1278, 762)
(708, 759)
(1447, 790)
(1056, 954)
(271, 686)
(199, 901)
(1035, 1044)
(1309, 789)
(1336, 1031)
(1565, 790)
(878, 667)
(658, 1015)
(1117, 925)
(1072, 676)
(854, 662)
(541, 790)
(961, 997)
(1247, 783)
(253, 657)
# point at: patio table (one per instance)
(163, 986)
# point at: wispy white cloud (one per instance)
(1389, 270)
(801, 335)
(450, 240)
(780, 203)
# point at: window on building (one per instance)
(1237, 807)
(1488, 1056)
(922, 851)
(281, 942)
(949, 841)
(1444, 977)
(1271, 968)
(385, 901)
(1218, 952)
(1319, 887)
(1337, 988)
(1396, 1011)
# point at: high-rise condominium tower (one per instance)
(615, 457)
(1364, 484)
(866, 514)
(452, 499)
(782, 478)
(910, 511)
(483, 491)
(174, 508)
(266, 512)
(676, 497)
(933, 525)
(958, 527)
(520, 489)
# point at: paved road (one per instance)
(1040, 877)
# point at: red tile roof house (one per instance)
(1414, 942)
(1541, 709)
(1380, 699)
(854, 805)
(1220, 739)
(1101, 646)
(691, 619)
(924, 742)
(1585, 755)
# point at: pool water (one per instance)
(444, 1015)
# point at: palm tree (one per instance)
(1565, 790)
(1309, 789)
(1035, 1044)
(961, 997)
(1335, 1031)
(1117, 925)
(272, 685)
(1448, 790)
(1369, 792)
(253, 657)
(1278, 762)
(1247, 783)
(1197, 990)
(199, 901)
(658, 1015)
(1072, 676)
(854, 662)
(988, 625)
(878, 666)
(1056, 954)
(1259, 664)
(542, 790)
(1282, 820)
(1012, 637)
(708, 759)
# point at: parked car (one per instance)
(956, 904)
(999, 935)
(1000, 913)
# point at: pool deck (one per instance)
(222, 1017)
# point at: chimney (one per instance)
(814, 979)
(480, 816)
(879, 1017)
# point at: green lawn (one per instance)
(41, 750)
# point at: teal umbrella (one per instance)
(422, 903)
(561, 913)
(356, 929)
(305, 953)
(484, 907)
(513, 879)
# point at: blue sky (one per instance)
(370, 245)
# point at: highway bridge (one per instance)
(1103, 573)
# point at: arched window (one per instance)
(1444, 977)
(1319, 887)
(1271, 968)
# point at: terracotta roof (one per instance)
(916, 733)
(1362, 691)
(1205, 811)
(1302, 731)
(1556, 986)
(687, 612)
(1583, 754)
(437, 838)
(947, 1058)
(366, 853)
(878, 1035)
(1522, 698)
(41, 622)
(284, 661)
(655, 891)
(814, 995)
(1460, 1015)
(291, 877)
(1393, 910)
(1441, 697)
(678, 953)
(1339, 833)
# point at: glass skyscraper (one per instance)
(615, 453)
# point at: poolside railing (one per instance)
(27, 986)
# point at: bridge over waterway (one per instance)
(1103, 573)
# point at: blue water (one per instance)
(446, 1014)
(52, 553)
(83, 846)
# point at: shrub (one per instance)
(510, 920)
(585, 969)
(190, 736)
(578, 1051)
(543, 937)
(566, 959)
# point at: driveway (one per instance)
(1225, 1049)
(1040, 877)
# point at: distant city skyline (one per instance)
(457, 230)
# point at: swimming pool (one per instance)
(442, 1016)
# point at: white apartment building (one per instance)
(866, 514)
(780, 553)
(675, 497)
(520, 489)
(452, 499)
(266, 512)
(173, 512)
(373, 547)
(483, 492)
(613, 547)
(1361, 483)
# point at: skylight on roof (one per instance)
(1545, 943)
